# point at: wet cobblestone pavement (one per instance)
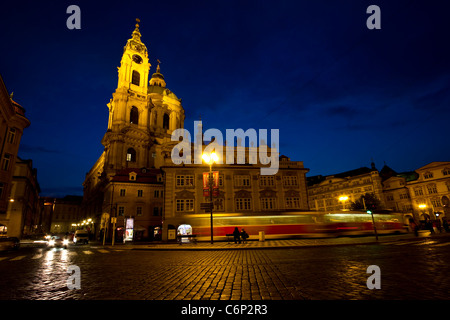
(410, 269)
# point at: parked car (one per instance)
(81, 236)
(9, 243)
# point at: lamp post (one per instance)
(210, 159)
(373, 219)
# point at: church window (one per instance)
(136, 78)
(134, 115)
(166, 120)
(131, 155)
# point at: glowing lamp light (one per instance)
(343, 198)
(422, 206)
(206, 157)
(209, 158)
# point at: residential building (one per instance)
(430, 192)
(23, 214)
(66, 214)
(325, 192)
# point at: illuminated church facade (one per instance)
(135, 177)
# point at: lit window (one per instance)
(242, 180)
(131, 155)
(432, 189)
(184, 205)
(185, 181)
(266, 181)
(243, 204)
(292, 203)
(428, 175)
(268, 203)
(134, 115)
(290, 181)
(418, 192)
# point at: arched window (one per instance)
(135, 78)
(131, 155)
(166, 120)
(134, 115)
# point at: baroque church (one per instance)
(135, 178)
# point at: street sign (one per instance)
(206, 205)
(104, 220)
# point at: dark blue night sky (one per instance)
(340, 94)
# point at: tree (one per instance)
(370, 200)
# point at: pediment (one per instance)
(184, 194)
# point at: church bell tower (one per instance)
(142, 112)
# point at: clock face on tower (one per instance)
(137, 59)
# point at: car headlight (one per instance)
(65, 242)
(51, 242)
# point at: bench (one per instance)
(230, 235)
(191, 237)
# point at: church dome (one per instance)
(157, 78)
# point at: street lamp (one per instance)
(210, 159)
(343, 199)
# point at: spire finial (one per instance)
(136, 33)
(158, 69)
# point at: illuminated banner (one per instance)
(215, 184)
(129, 226)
